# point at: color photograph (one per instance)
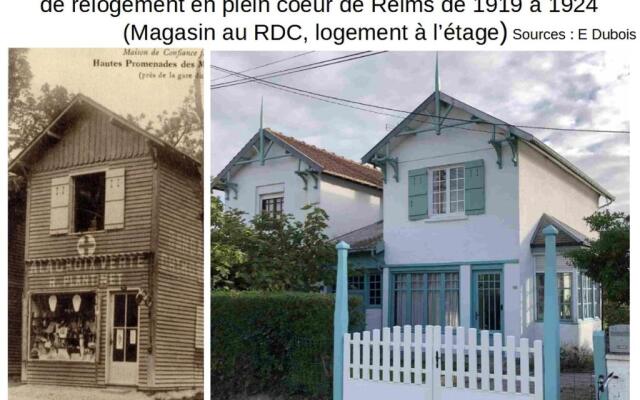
(420, 225)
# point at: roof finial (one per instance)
(437, 97)
(261, 132)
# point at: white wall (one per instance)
(546, 188)
(490, 236)
(349, 205)
(252, 177)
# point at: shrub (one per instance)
(575, 359)
(277, 343)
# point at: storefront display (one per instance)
(63, 327)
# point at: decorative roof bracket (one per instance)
(497, 145)
(382, 162)
(308, 173)
(230, 186)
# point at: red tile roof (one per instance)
(334, 164)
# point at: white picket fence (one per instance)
(421, 363)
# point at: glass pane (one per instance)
(417, 308)
(489, 301)
(375, 295)
(132, 345)
(456, 194)
(132, 311)
(119, 307)
(439, 186)
(400, 301)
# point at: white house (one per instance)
(465, 198)
(276, 173)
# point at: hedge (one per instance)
(279, 344)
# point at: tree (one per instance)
(228, 233)
(606, 259)
(28, 114)
(278, 252)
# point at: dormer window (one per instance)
(447, 188)
(89, 202)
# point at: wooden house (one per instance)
(113, 255)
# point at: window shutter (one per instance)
(60, 197)
(114, 199)
(418, 199)
(474, 198)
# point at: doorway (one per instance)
(123, 339)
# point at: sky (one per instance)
(555, 89)
(121, 89)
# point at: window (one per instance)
(63, 327)
(565, 299)
(272, 204)
(375, 290)
(429, 298)
(355, 282)
(447, 186)
(89, 202)
(589, 297)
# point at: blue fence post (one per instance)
(551, 338)
(599, 360)
(340, 319)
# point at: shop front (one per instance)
(88, 319)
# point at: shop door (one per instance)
(123, 339)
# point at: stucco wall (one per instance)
(252, 177)
(547, 188)
(490, 236)
(350, 206)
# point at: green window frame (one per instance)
(425, 298)
(565, 296)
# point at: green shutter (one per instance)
(418, 199)
(474, 197)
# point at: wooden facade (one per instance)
(15, 278)
(148, 252)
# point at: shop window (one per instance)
(63, 327)
(89, 201)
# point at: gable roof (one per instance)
(365, 238)
(524, 137)
(50, 135)
(567, 236)
(318, 159)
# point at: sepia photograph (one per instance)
(420, 225)
(105, 272)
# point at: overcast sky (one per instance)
(557, 89)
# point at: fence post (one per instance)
(599, 361)
(340, 319)
(551, 318)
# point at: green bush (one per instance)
(277, 343)
(576, 359)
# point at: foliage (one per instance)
(575, 359)
(270, 252)
(615, 314)
(29, 114)
(276, 343)
(228, 233)
(606, 260)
